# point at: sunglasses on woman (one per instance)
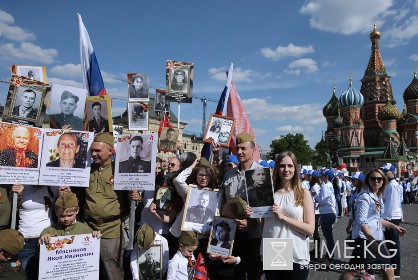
(378, 179)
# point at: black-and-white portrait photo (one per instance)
(133, 155)
(179, 80)
(161, 104)
(222, 236)
(137, 116)
(67, 107)
(150, 263)
(37, 73)
(97, 115)
(168, 139)
(26, 103)
(259, 187)
(200, 207)
(163, 198)
(219, 129)
(138, 87)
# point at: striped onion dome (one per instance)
(411, 92)
(331, 108)
(389, 112)
(351, 97)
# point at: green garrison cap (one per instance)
(67, 200)
(11, 241)
(105, 137)
(244, 137)
(145, 236)
(188, 238)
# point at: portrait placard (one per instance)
(220, 129)
(161, 104)
(138, 116)
(99, 114)
(37, 73)
(117, 130)
(222, 235)
(179, 81)
(66, 158)
(67, 107)
(200, 207)
(25, 101)
(163, 197)
(259, 191)
(138, 87)
(168, 139)
(150, 263)
(135, 162)
(20, 151)
(75, 256)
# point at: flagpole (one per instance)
(178, 122)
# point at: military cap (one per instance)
(67, 200)
(11, 241)
(105, 137)
(238, 207)
(66, 94)
(188, 238)
(179, 71)
(145, 236)
(204, 161)
(244, 137)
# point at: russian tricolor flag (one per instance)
(220, 110)
(92, 78)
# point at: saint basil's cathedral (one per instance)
(365, 129)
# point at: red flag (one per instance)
(237, 111)
(200, 269)
(165, 122)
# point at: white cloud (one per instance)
(259, 131)
(400, 34)
(260, 109)
(117, 93)
(65, 82)
(290, 129)
(118, 110)
(67, 70)
(193, 121)
(289, 51)
(12, 32)
(308, 65)
(293, 72)
(390, 62)
(28, 51)
(345, 16)
(109, 78)
(414, 57)
(239, 75)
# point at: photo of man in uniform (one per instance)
(150, 269)
(163, 198)
(98, 123)
(26, 110)
(170, 141)
(179, 80)
(68, 147)
(200, 213)
(221, 234)
(19, 155)
(68, 105)
(161, 104)
(134, 164)
(259, 188)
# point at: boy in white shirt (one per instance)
(183, 262)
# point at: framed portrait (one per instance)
(31, 72)
(150, 263)
(138, 87)
(135, 162)
(259, 191)
(200, 207)
(221, 239)
(66, 159)
(67, 107)
(25, 101)
(161, 104)
(163, 197)
(179, 81)
(168, 139)
(99, 114)
(219, 128)
(137, 116)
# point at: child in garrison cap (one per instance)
(145, 238)
(66, 209)
(11, 243)
(181, 266)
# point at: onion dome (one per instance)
(375, 33)
(389, 112)
(411, 92)
(331, 108)
(351, 97)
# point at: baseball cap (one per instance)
(388, 167)
(264, 163)
(231, 158)
(358, 176)
(315, 173)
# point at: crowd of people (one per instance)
(303, 202)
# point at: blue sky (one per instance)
(287, 54)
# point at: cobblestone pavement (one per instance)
(409, 248)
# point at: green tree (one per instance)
(295, 143)
(320, 154)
